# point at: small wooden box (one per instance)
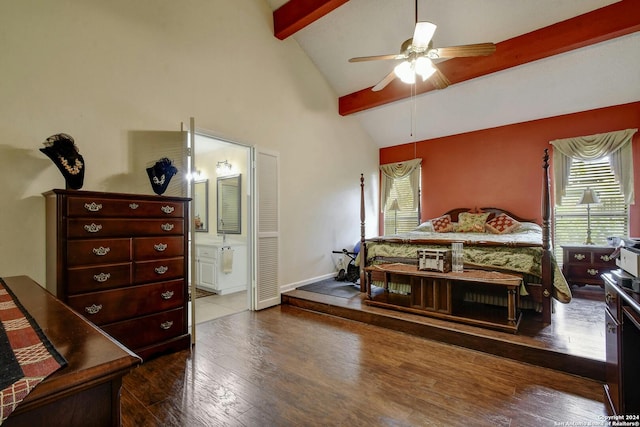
(434, 260)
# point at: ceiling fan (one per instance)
(417, 54)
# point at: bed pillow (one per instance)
(442, 224)
(425, 227)
(502, 224)
(471, 222)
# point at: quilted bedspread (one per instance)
(519, 259)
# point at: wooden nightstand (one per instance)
(583, 264)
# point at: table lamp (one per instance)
(395, 208)
(589, 197)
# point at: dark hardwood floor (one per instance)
(574, 342)
(286, 366)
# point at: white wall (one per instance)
(99, 70)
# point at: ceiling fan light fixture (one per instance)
(424, 67)
(405, 72)
(422, 35)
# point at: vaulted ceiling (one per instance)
(553, 57)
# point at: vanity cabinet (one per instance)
(120, 260)
(222, 268)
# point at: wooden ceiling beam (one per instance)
(609, 22)
(297, 14)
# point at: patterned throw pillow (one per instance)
(472, 222)
(442, 224)
(502, 224)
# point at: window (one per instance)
(406, 218)
(608, 218)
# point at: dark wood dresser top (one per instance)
(93, 357)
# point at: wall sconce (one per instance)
(223, 168)
(195, 176)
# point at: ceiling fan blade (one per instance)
(439, 80)
(377, 57)
(384, 82)
(479, 49)
(422, 35)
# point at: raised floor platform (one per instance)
(573, 343)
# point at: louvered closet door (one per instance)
(267, 290)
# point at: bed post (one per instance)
(547, 266)
(363, 248)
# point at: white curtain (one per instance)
(392, 171)
(616, 145)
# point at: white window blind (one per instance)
(608, 218)
(405, 219)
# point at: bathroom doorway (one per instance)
(221, 227)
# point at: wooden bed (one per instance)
(540, 290)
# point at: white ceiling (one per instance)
(595, 76)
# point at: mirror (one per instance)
(229, 189)
(201, 205)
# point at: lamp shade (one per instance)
(394, 205)
(589, 197)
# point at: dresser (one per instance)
(222, 268)
(86, 392)
(584, 264)
(121, 260)
(622, 343)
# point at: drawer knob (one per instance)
(102, 277)
(167, 295)
(93, 206)
(166, 325)
(609, 298)
(93, 309)
(606, 258)
(92, 228)
(101, 251)
(592, 271)
(160, 247)
(162, 269)
(579, 257)
(167, 209)
(134, 206)
(167, 227)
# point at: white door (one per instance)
(267, 229)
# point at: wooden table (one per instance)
(435, 294)
(87, 391)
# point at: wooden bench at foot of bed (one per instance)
(440, 295)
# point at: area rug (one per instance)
(26, 355)
(201, 293)
(332, 287)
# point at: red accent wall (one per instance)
(503, 166)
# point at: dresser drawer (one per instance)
(118, 304)
(145, 248)
(163, 269)
(106, 207)
(144, 331)
(98, 251)
(111, 227)
(612, 300)
(584, 272)
(578, 256)
(99, 277)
